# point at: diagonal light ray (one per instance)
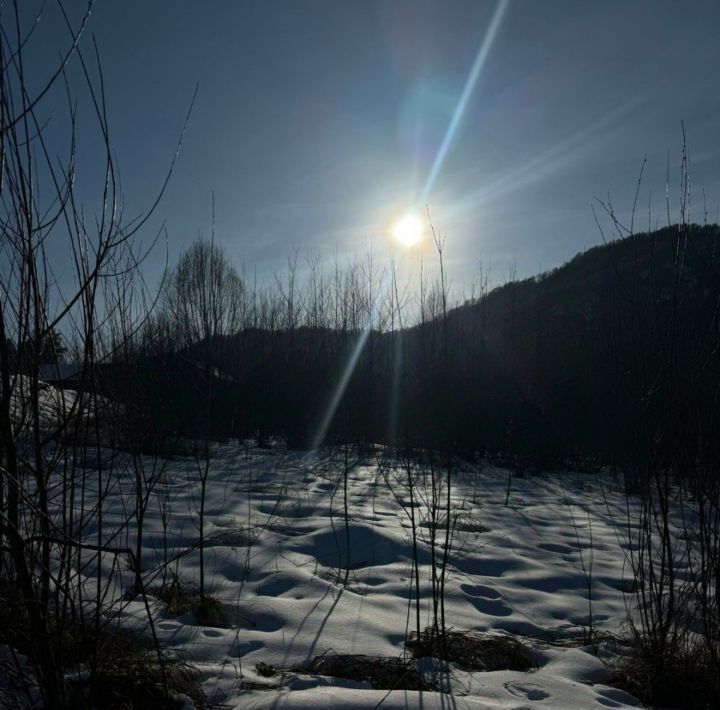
(452, 128)
(548, 162)
(347, 373)
(465, 97)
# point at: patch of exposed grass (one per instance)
(682, 677)
(471, 524)
(136, 681)
(207, 611)
(178, 599)
(210, 612)
(266, 670)
(473, 651)
(578, 636)
(104, 668)
(382, 672)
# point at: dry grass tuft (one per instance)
(473, 651)
(181, 600)
(382, 672)
(684, 677)
(134, 682)
(210, 612)
(104, 668)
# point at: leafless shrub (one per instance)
(669, 329)
(55, 474)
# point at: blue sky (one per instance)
(317, 123)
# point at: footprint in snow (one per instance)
(213, 633)
(486, 566)
(275, 586)
(486, 600)
(491, 607)
(527, 691)
(238, 650)
(480, 590)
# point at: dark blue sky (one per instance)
(317, 123)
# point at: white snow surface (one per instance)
(276, 558)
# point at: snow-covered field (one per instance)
(275, 558)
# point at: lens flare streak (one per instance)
(452, 128)
(347, 373)
(465, 97)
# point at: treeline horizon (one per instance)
(578, 363)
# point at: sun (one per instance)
(408, 231)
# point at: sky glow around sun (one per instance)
(505, 118)
(408, 231)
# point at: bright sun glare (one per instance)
(408, 231)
